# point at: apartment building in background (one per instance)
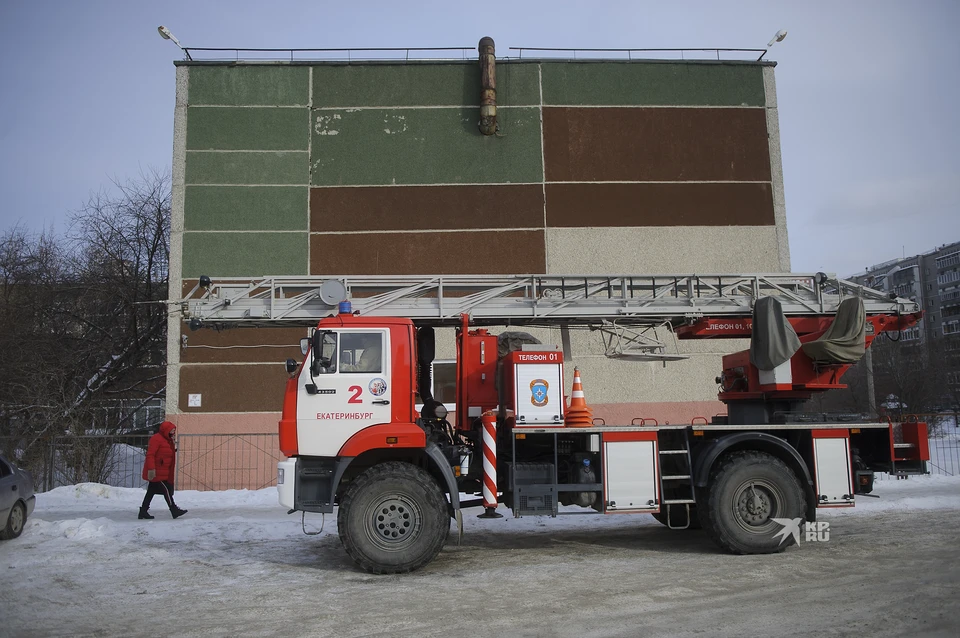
(933, 279)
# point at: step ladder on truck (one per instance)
(356, 443)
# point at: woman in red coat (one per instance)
(159, 468)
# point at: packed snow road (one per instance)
(237, 565)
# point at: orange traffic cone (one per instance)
(578, 414)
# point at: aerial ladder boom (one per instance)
(680, 300)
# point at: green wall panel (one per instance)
(424, 146)
(247, 168)
(244, 254)
(627, 84)
(249, 85)
(420, 85)
(246, 208)
(247, 129)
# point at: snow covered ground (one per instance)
(238, 565)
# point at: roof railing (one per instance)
(630, 52)
(209, 54)
(346, 54)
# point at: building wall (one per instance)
(598, 167)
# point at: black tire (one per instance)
(15, 522)
(747, 491)
(678, 515)
(393, 518)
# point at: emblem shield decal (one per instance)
(538, 392)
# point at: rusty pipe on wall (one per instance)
(488, 86)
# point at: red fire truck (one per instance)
(357, 444)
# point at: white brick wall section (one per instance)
(178, 188)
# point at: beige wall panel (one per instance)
(653, 250)
(607, 380)
(610, 381)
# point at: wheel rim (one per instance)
(394, 523)
(755, 504)
(16, 519)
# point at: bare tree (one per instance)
(82, 323)
(123, 248)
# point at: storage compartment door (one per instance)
(832, 466)
(630, 476)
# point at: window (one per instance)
(443, 383)
(361, 352)
(948, 277)
(946, 261)
(910, 334)
(444, 378)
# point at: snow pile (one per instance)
(935, 492)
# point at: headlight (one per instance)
(279, 476)
(440, 411)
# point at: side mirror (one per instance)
(304, 345)
(291, 366)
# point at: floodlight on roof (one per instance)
(166, 35)
(780, 35)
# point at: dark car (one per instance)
(16, 499)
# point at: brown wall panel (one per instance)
(658, 144)
(454, 253)
(680, 204)
(233, 388)
(426, 207)
(255, 345)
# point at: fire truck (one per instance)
(365, 437)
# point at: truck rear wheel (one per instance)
(747, 491)
(393, 518)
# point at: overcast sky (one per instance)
(868, 94)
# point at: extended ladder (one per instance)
(631, 300)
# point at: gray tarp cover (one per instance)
(774, 340)
(843, 342)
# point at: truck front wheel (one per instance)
(393, 518)
(747, 491)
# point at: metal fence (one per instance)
(204, 461)
(945, 449)
(67, 460)
(227, 461)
